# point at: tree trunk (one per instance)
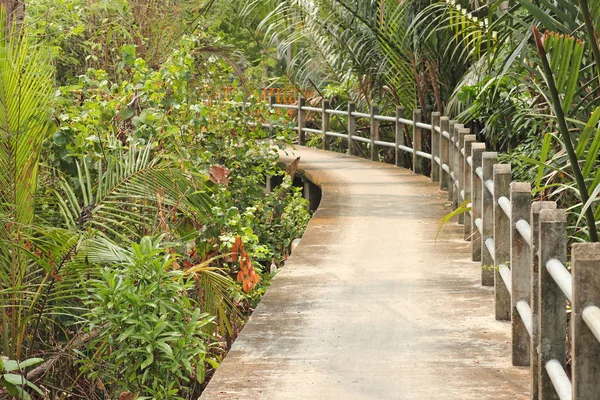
(15, 9)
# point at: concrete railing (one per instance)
(351, 135)
(522, 247)
(523, 250)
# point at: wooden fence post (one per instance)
(534, 359)
(520, 260)
(553, 312)
(487, 217)
(586, 348)
(325, 123)
(399, 134)
(444, 159)
(469, 140)
(374, 133)
(501, 229)
(417, 141)
(435, 146)
(477, 150)
(351, 127)
(301, 119)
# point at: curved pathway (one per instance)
(371, 305)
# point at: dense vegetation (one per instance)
(136, 235)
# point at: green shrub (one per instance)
(153, 338)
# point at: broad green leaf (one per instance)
(15, 379)
(149, 360)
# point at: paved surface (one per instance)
(371, 305)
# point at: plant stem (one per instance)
(589, 27)
(562, 123)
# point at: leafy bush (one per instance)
(153, 338)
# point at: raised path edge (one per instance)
(372, 305)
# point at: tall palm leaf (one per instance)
(25, 102)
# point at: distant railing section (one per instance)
(283, 96)
(522, 245)
(300, 110)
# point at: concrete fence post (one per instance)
(456, 168)
(444, 158)
(520, 260)
(487, 217)
(374, 133)
(435, 146)
(553, 311)
(399, 134)
(325, 123)
(461, 133)
(301, 119)
(351, 127)
(469, 140)
(502, 177)
(451, 159)
(585, 356)
(534, 359)
(417, 141)
(477, 150)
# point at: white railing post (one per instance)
(477, 150)
(374, 132)
(553, 311)
(585, 359)
(435, 146)
(520, 266)
(502, 177)
(417, 141)
(399, 135)
(469, 140)
(325, 123)
(444, 158)
(534, 355)
(487, 217)
(351, 128)
(301, 119)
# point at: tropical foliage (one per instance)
(127, 202)
(136, 235)
(475, 61)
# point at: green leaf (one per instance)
(125, 113)
(34, 387)
(14, 379)
(149, 360)
(30, 361)
(165, 348)
(11, 365)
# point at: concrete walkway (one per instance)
(371, 305)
